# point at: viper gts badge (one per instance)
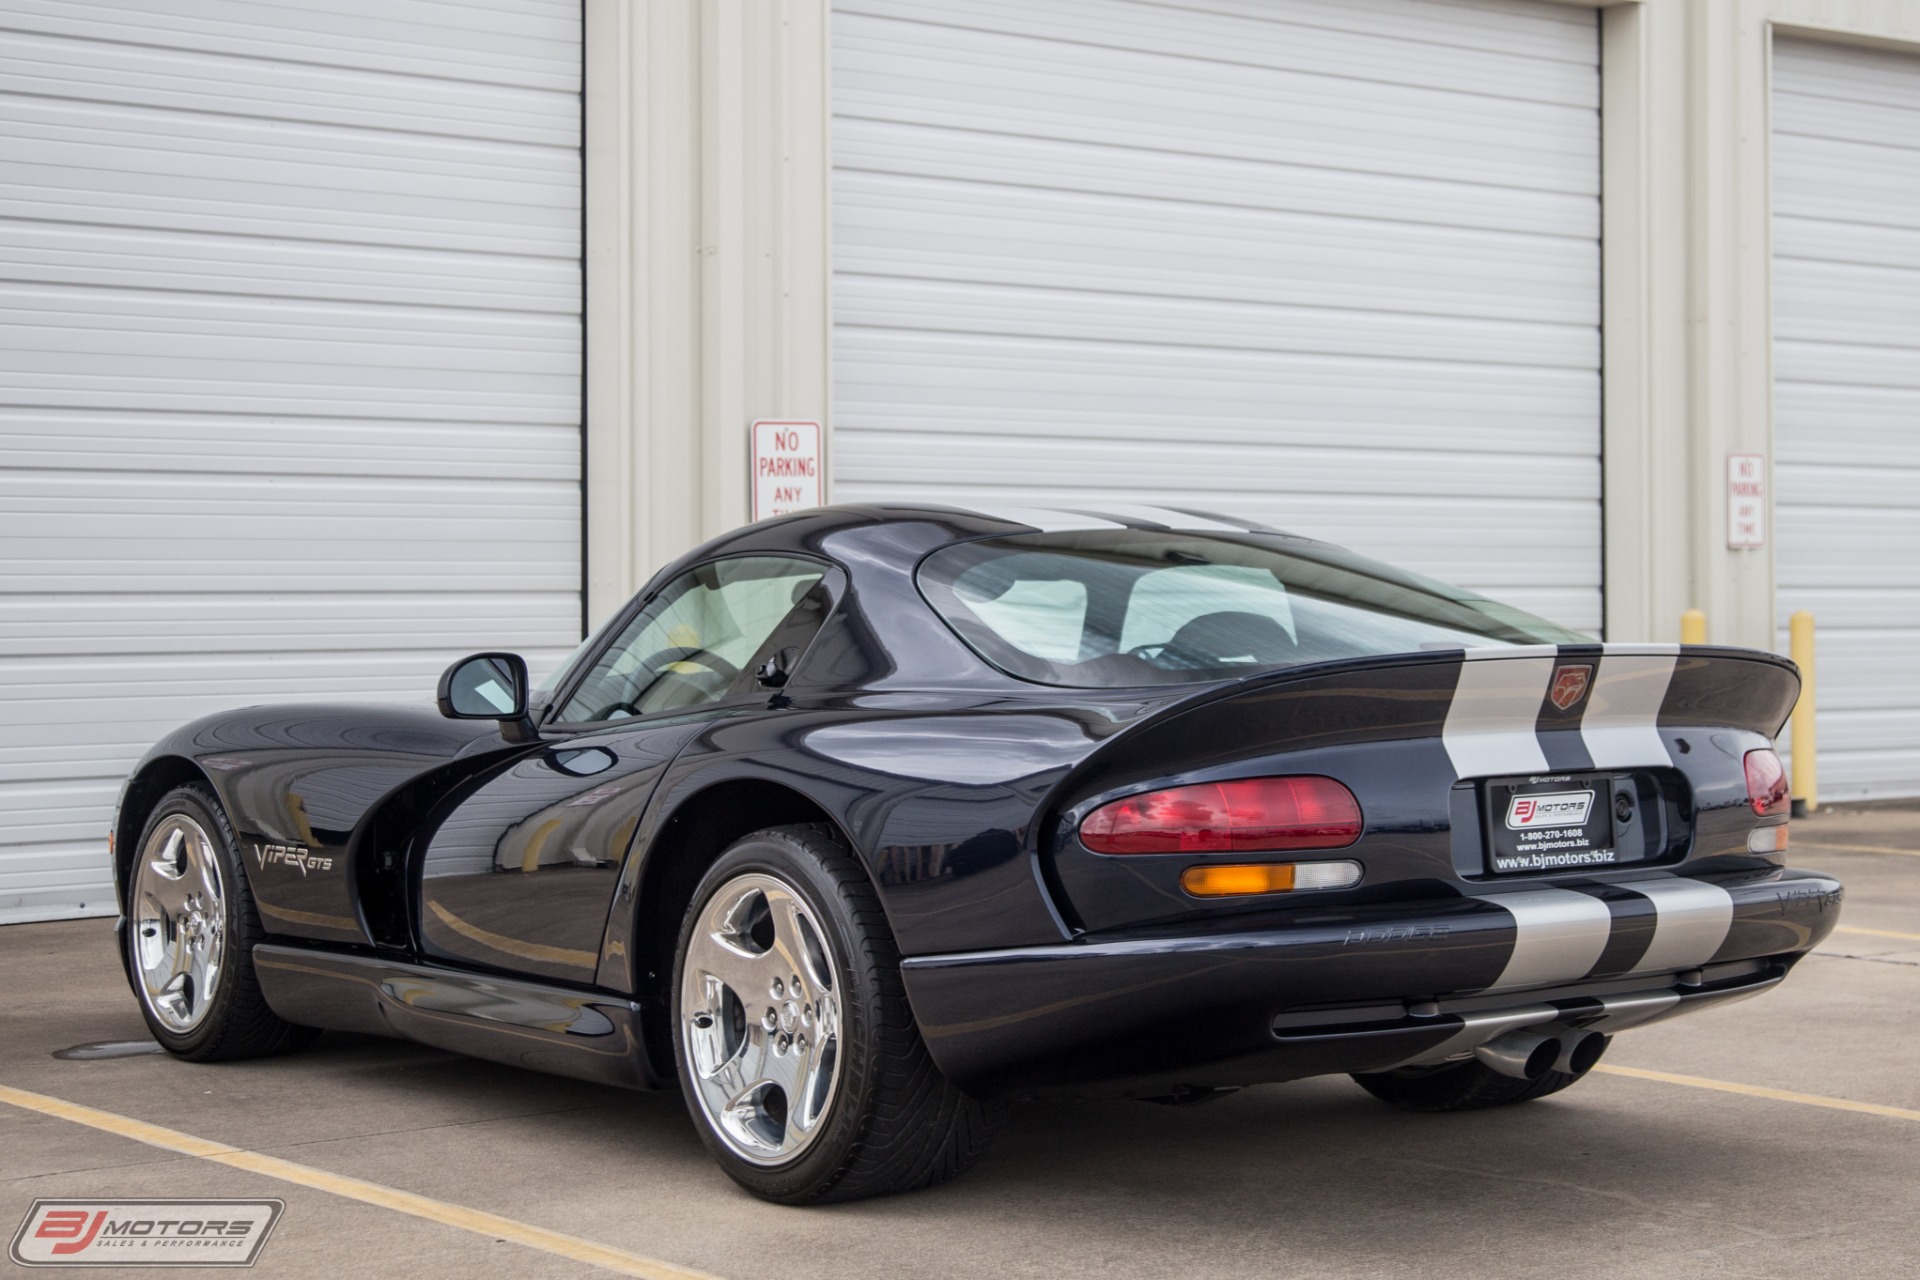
(291, 855)
(1569, 685)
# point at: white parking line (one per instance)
(478, 1221)
(1855, 848)
(1761, 1091)
(1876, 933)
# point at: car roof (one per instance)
(894, 536)
(986, 520)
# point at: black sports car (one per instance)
(858, 822)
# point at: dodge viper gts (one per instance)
(860, 822)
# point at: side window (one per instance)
(690, 646)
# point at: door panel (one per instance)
(521, 874)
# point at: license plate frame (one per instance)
(1542, 825)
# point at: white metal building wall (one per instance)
(1846, 301)
(290, 302)
(1329, 263)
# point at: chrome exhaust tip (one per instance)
(1520, 1054)
(1579, 1050)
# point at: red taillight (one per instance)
(1767, 783)
(1246, 815)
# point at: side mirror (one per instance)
(489, 686)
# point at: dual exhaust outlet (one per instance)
(1528, 1055)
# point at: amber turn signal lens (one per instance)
(1767, 840)
(1237, 880)
(1228, 882)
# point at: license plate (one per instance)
(1551, 822)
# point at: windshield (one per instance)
(1118, 608)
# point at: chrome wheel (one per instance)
(179, 922)
(760, 1018)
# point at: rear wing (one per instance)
(1495, 711)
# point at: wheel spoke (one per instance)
(722, 959)
(179, 959)
(787, 1066)
(171, 997)
(156, 957)
(706, 1027)
(788, 943)
(812, 1072)
(200, 873)
(756, 1063)
(201, 973)
(823, 1058)
(165, 885)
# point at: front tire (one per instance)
(800, 1060)
(1465, 1086)
(191, 930)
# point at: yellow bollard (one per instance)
(1806, 761)
(1693, 627)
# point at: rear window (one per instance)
(1126, 607)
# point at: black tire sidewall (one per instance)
(782, 854)
(194, 803)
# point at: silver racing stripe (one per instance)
(1047, 519)
(1558, 936)
(1691, 919)
(1490, 723)
(1177, 520)
(1621, 724)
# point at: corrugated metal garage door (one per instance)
(289, 374)
(1846, 317)
(1329, 263)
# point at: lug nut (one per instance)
(770, 1020)
(778, 989)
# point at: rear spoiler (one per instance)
(1497, 711)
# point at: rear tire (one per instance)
(869, 1113)
(191, 930)
(1465, 1086)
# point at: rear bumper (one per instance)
(1363, 989)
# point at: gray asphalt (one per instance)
(1617, 1177)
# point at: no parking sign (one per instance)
(786, 466)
